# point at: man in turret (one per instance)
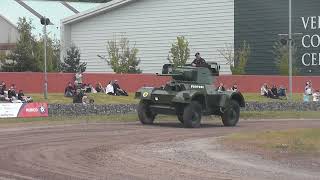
(198, 61)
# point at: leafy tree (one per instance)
(241, 58)
(53, 54)
(29, 52)
(236, 58)
(281, 53)
(122, 58)
(179, 52)
(72, 61)
(23, 56)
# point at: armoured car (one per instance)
(189, 95)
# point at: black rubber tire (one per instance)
(180, 118)
(144, 113)
(192, 115)
(231, 115)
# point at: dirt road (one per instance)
(132, 151)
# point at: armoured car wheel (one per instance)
(192, 115)
(230, 117)
(144, 113)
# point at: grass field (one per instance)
(107, 99)
(292, 141)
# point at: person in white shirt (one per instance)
(110, 89)
(264, 90)
(308, 89)
(316, 96)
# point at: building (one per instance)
(153, 26)
(9, 35)
(263, 23)
(210, 26)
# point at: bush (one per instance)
(122, 58)
(72, 62)
(281, 53)
(179, 52)
(236, 58)
(241, 59)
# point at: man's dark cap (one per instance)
(197, 54)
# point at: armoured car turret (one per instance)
(189, 95)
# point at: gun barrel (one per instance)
(168, 74)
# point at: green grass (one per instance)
(101, 98)
(292, 141)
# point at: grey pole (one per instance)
(290, 50)
(45, 64)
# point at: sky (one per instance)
(54, 10)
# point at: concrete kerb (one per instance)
(113, 109)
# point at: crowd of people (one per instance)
(78, 90)
(11, 95)
(273, 92)
(221, 88)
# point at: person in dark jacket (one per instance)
(221, 87)
(78, 96)
(198, 61)
(2, 88)
(274, 91)
(69, 91)
(117, 90)
(12, 92)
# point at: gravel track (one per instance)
(132, 151)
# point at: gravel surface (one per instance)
(132, 151)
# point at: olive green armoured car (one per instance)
(189, 95)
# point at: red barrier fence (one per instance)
(32, 82)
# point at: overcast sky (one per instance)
(53, 10)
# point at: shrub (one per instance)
(72, 61)
(281, 53)
(179, 52)
(122, 58)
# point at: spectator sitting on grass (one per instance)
(220, 88)
(110, 88)
(274, 91)
(282, 91)
(266, 91)
(12, 95)
(24, 98)
(117, 90)
(69, 91)
(89, 89)
(99, 87)
(316, 96)
(2, 90)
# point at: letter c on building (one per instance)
(303, 59)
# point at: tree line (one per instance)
(28, 54)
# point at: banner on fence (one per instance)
(8, 110)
